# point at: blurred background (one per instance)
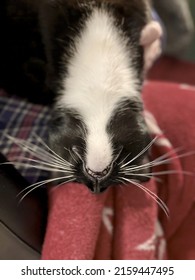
(177, 18)
(177, 64)
(190, 55)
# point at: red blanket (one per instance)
(126, 222)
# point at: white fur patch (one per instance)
(99, 76)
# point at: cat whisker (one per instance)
(72, 155)
(41, 183)
(150, 176)
(141, 153)
(156, 162)
(77, 154)
(30, 147)
(167, 155)
(157, 199)
(22, 164)
(59, 185)
(37, 151)
(120, 181)
(58, 157)
(171, 172)
(44, 159)
(124, 159)
(41, 163)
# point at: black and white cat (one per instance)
(92, 63)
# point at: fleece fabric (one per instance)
(125, 222)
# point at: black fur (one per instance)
(62, 20)
(36, 34)
(22, 56)
(129, 135)
(37, 43)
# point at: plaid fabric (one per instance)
(23, 120)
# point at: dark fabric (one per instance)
(21, 119)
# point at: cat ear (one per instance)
(150, 33)
(151, 42)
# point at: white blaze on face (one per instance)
(99, 76)
(99, 151)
